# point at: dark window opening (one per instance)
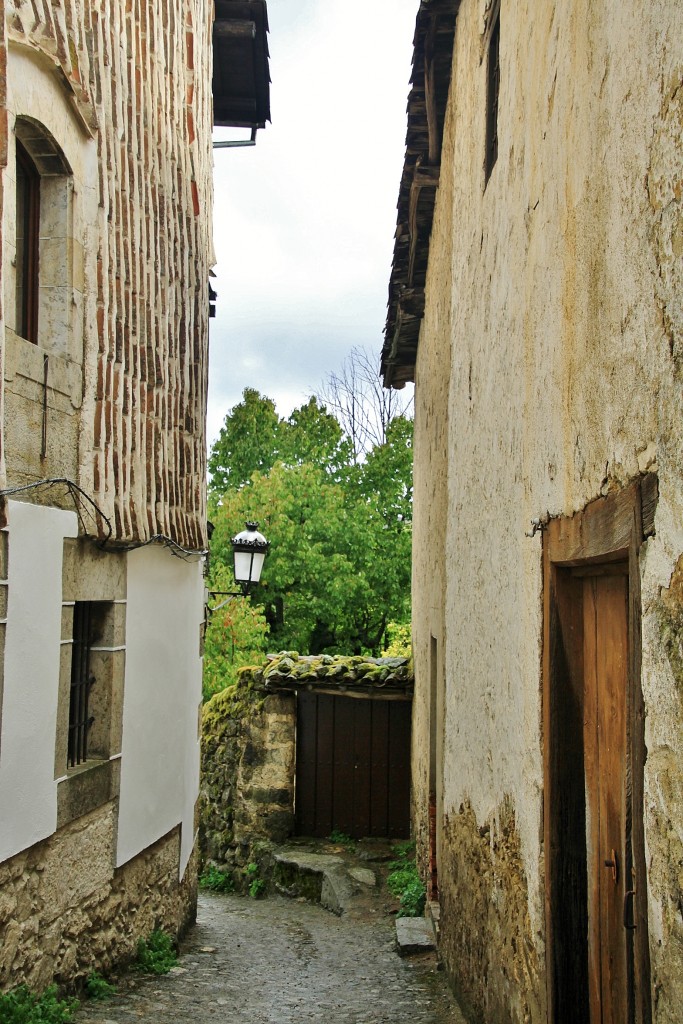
(27, 246)
(85, 631)
(492, 97)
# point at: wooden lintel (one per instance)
(234, 29)
(604, 528)
(372, 694)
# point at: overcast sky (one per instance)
(304, 221)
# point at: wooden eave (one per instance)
(427, 100)
(241, 78)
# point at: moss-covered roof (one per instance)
(289, 670)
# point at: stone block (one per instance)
(414, 935)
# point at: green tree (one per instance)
(236, 634)
(249, 440)
(340, 528)
(312, 434)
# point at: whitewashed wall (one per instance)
(160, 753)
(28, 790)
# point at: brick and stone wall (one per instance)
(137, 78)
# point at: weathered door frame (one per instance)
(610, 529)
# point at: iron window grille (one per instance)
(82, 681)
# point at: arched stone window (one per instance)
(42, 231)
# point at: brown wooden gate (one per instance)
(353, 766)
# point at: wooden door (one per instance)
(605, 660)
(598, 964)
(353, 766)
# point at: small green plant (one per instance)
(413, 899)
(257, 888)
(97, 987)
(256, 885)
(157, 954)
(215, 880)
(341, 839)
(405, 883)
(21, 1006)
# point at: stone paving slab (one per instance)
(283, 961)
(414, 935)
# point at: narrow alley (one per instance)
(280, 961)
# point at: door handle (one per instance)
(613, 863)
(628, 905)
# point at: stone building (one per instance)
(106, 197)
(535, 299)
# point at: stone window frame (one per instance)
(48, 274)
(89, 574)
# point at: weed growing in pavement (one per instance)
(256, 886)
(341, 839)
(215, 880)
(97, 987)
(157, 954)
(21, 1006)
(404, 882)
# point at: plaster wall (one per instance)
(430, 500)
(162, 699)
(562, 275)
(30, 691)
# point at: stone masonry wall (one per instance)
(498, 966)
(64, 913)
(247, 790)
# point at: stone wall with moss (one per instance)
(64, 913)
(663, 679)
(499, 971)
(247, 789)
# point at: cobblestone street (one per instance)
(284, 961)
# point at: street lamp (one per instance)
(250, 549)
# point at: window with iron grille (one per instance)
(82, 680)
(492, 95)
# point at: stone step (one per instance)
(320, 877)
(414, 935)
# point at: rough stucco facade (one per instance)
(111, 104)
(548, 375)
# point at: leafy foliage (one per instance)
(257, 886)
(215, 880)
(340, 530)
(405, 883)
(398, 640)
(235, 635)
(248, 442)
(96, 987)
(21, 1006)
(157, 954)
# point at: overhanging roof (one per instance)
(241, 79)
(430, 82)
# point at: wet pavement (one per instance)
(280, 961)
